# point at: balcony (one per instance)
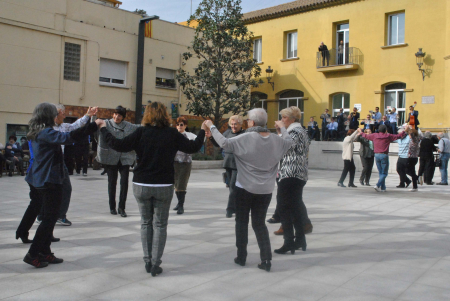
(331, 61)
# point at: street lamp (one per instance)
(419, 61)
(269, 72)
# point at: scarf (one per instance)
(257, 129)
(293, 126)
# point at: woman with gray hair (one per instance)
(257, 153)
(229, 163)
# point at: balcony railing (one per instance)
(333, 57)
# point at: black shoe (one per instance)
(36, 261)
(341, 184)
(407, 184)
(239, 261)
(401, 186)
(176, 207)
(229, 214)
(285, 248)
(103, 173)
(300, 244)
(10, 174)
(440, 183)
(431, 183)
(50, 258)
(148, 267)
(156, 270)
(362, 183)
(352, 185)
(273, 220)
(24, 238)
(113, 211)
(265, 265)
(54, 239)
(122, 212)
(368, 184)
(180, 209)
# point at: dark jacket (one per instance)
(311, 128)
(364, 149)
(324, 119)
(371, 126)
(354, 123)
(16, 150)
(324, 49)
(415, 116)
(228, 160)
(387, 124)
(156, 149)
(48, 163)
(427, 148)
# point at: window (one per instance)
(396, 29)
(113, 72)
(394, 97)
(291, 45)
(165, 78)
(341, 100)
(262, 100)
(257, 50)
(291, 98)
(72, 57)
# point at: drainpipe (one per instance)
(140, 66)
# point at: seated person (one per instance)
(2, 159)
(332, 128)
(385, 122)
(14, 154)
(313, 128)
(368, 123)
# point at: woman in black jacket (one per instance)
(229, 163)
(426, 167)
(156, 144)
(367, 157)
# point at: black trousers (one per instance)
(411, 170)
(51, 196)
(426, 168)
(30, 214)
(69, 153)
(304, 212)
(289, 197)
(113, 171)
(231, 175)
(367, 164)
(349, 166)
(324, 128)
(402, 166)
(257, 204)
(82, 157)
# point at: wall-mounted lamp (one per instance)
(269, 72)
(419, 61)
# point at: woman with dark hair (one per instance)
(156, 145)
(413, 156)
(182, 167)
(347, 156)
(46, 176)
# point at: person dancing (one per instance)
(257, 153)
(182, 167)
(46, 176)
(367, 158)
(347, 156)
(156, 144)
(413, 156)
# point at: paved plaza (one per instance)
(365, 246)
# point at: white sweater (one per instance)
(347, 146)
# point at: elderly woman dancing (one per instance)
(293, 177)
(257, 153)
(229, 163)
(156, 144)
(347, 156)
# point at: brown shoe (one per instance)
(279, 231)
(307, 228)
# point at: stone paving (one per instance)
(365, 246)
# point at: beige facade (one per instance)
(33, 46)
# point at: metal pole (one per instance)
(191, 8)
(140, 67)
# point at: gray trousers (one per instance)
(154, 205)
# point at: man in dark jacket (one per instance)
(82, 155)
(14, 155)
(323, 49)
(354, 119)
(413, 117)
(229, 163)
(325, 120)
(367, 158)
(385, 122)
(426, 167)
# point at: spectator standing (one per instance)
(367, 158)
(340, 119)
(444, 150)
(323, 49)
(376, 116)
(353, 119)
(325, 120)
(413, 117)
(393, 117)
(426, 166)
(341, 53)
(381, 141)
(82, 155)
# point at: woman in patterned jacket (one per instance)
(293, 176)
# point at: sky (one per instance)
(179, 10)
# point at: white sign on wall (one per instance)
(428, 99)
(358, 106)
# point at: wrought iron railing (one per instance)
(335, 57)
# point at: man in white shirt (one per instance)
(331, 129)
(393, 116)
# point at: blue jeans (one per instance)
(382, 161)
(443, 168)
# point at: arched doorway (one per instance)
(262, 100)
(338, 101)
(291, 98)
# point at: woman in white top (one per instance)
(182, 166)
(347, 156)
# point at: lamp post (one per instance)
(419, 61)
(269, 72)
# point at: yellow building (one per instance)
(82, 53)
(376, 66)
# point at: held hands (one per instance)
(100, 123)
(207, 124)
(279, 124)
(359, 130)
(9, 147)
(92, 111)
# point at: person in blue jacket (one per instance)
(46, 176)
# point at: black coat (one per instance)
(427, 148)
(324, 50)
